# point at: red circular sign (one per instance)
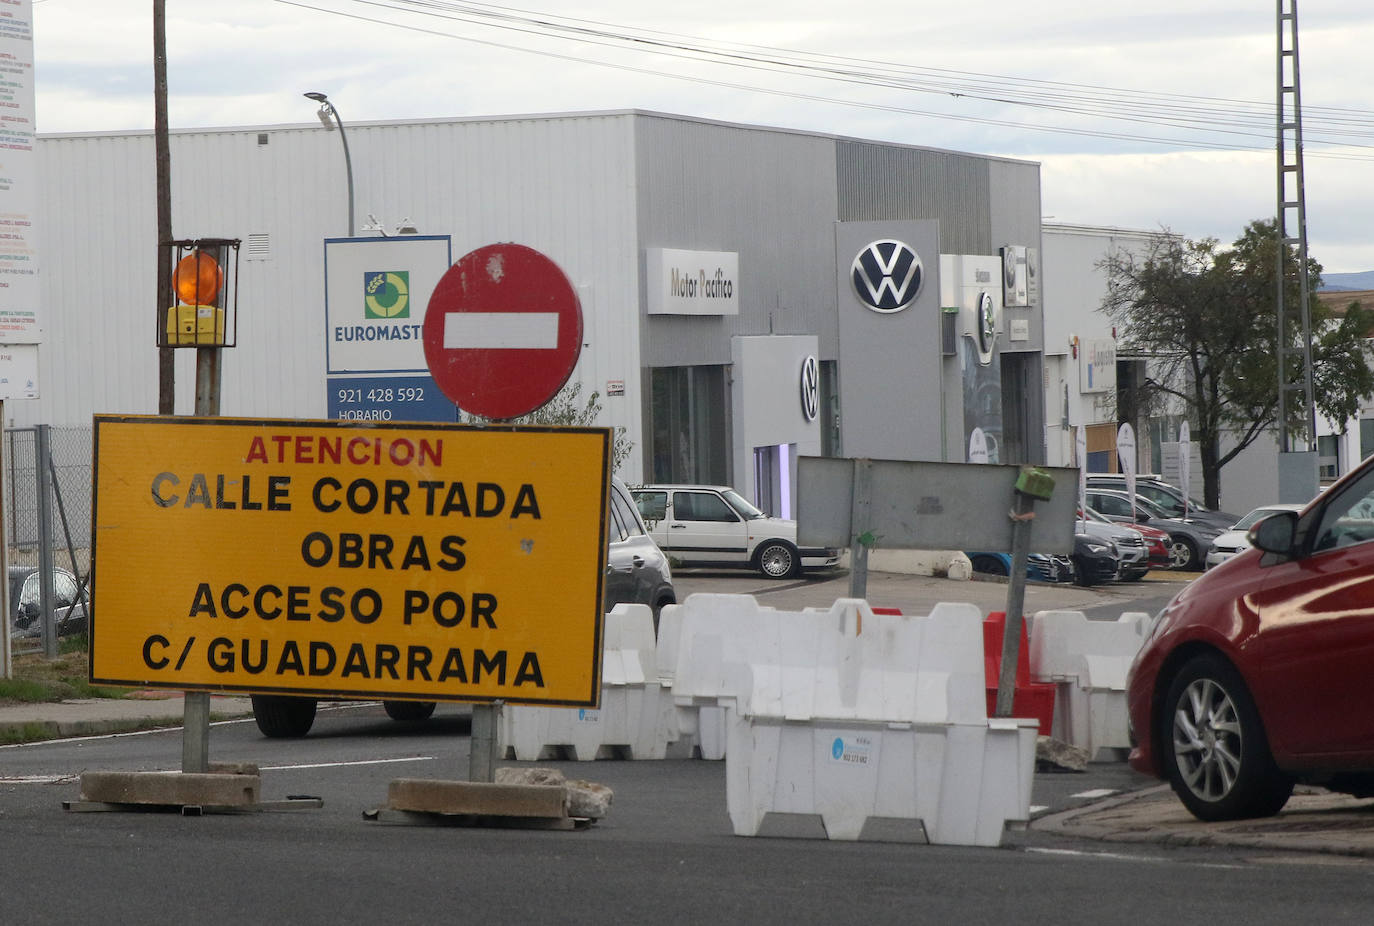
(503, 331)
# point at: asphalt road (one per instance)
(666, 854)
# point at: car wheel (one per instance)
(282, 716)
(1215, 750)
(409, 710)
(1135, 575)
(1182, 553)
(989, 565)
(1081, 575)
(778, 559)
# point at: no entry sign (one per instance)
(503, 331)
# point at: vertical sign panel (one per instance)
(376, 294)
(20, 317)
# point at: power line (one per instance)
(1230, 121)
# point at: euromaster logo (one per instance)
(386, 294)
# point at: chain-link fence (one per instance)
(47, 512)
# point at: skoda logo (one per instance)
(887, 275)
(987, 322)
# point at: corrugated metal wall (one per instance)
(562, 185)
(767, 195)
(878, 182)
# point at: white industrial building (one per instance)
(787, 357)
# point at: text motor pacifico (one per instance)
(435, 562)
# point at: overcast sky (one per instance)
(1145, 116)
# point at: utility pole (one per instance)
(1297, 411)
(166, 368)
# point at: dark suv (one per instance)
(1167, 497)
(637, 571)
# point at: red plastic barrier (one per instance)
(1029, 699)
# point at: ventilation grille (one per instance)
(258, 247)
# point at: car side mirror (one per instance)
(1275, 533)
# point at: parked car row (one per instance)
(1103, 551)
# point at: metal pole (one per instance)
(860, 512)
(195, 732)
(45, 557)
(482, 742)
(6, 667)
(1016, 600)
(166, 367)
(348, 165)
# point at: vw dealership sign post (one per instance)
(502, 333)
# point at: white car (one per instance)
(716, 526)
(1228, 544)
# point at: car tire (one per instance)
(283, 716)
(1182, 553)
(409, 710)
(989, 565)
(778, 559)
(1135, 575)
(1215, 750)
(1081, 575)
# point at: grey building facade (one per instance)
(715, 263)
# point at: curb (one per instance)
(1314, 820)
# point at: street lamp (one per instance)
(330, 117)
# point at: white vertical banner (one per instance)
(1080, 442)
(1125, 458)
(21, 321)
(1185, 464)
(977, 446)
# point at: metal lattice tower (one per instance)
(1295, 361)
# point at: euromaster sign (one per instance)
(437, 562)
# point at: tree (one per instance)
(565, 409)
(1206, 319)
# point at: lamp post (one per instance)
(330, 117)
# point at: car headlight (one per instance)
(1099, 548)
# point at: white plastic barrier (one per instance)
(1088, 661)
(629, 721)
(690, 709)
(859, 719)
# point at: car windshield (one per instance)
(1254, 517)
(1150, 508)
(742, 505)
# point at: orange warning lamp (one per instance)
(203, 313)
(197, 279)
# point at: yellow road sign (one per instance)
(437, 562)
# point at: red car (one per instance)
(1257, 675)
(1156, 545)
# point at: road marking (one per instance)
(287, 768)
(1122, 857)
(1095, 793)
(39, 779)
(498, 330)
(1038, 808)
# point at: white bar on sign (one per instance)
(496, 330)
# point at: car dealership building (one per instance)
(749, 295)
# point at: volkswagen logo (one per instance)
(887, 275)
(810, 388)
(987, 323)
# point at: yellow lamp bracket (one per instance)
(204, 309)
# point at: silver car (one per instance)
(1236, 540)
(1189, 538)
